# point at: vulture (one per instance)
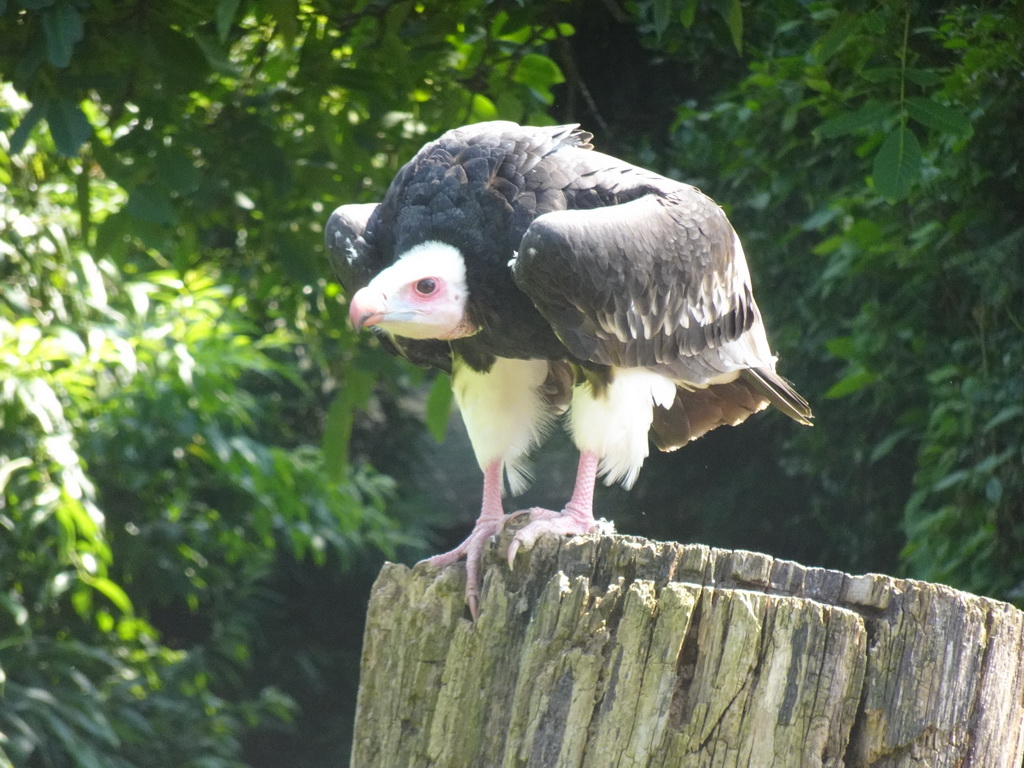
(550, 279)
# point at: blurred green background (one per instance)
(202, 467)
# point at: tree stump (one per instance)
(614, 652)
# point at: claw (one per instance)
(568, 522)
(472, 550)
(512, 549)
(474, 556)
(524, 538)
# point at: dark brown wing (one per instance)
(346, 249)
(653, 283)
(657, 282)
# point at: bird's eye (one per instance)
(426, 286)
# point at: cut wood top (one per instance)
(643, 653)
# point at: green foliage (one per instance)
(898, 164)
(137, 479)
(179, 387)
(868, 151)
(190, 434)
(657, 16)
(439, 405)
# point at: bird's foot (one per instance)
(472, 549)
(568, 522)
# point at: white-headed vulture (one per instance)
(551, 278)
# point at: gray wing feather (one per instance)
(346, 249)
(655, 282)
(659, 282)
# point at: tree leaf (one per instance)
(285, 13)
(539, 73)
(150, 203)
(226, 10)
(872, 115)
(483, 108)
(996, 460)
(881, 74)
(8, 468)
(948, 481)
(355, 392)
(69, 126)
(897, 165)
(850, 384)
(177, 170)
(20, 136)
(17, 612)
(62, 30)
(885, 446)
(732, 12)
(938, 117)
(216, 56)
(994, 490)
(923, 77)
(842, 347)
(688, 13)
(112, 592)
(439, 406)
(842, 28)
(819, 84)
(661, 10)
(1004, 415)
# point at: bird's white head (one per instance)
(423, 295)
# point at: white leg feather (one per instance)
(614, 423)
(505, 414)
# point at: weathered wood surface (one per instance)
(604, 652)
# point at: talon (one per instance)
(513, 548)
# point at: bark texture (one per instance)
(610, 651)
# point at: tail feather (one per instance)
(697, 411)
(780, 393)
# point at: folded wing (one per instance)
(659, 282)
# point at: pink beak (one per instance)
(366, 308)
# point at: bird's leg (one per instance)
(489, 523)
(577, 517)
